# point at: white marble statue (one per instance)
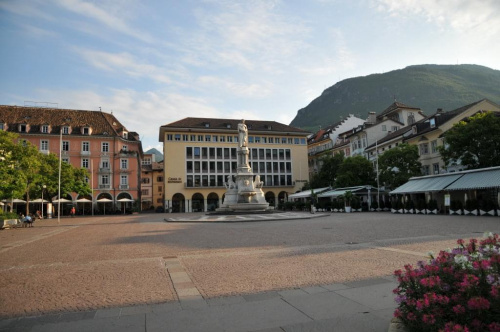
(242, 134)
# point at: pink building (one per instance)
(93, 140)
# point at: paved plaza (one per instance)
(191, 272)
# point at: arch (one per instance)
(178, 203)
(270, 198)
(125, 202)
(124, 195)
(282, 196)
(84, 207)
(212, 201)
(198, 202)
(104, 207)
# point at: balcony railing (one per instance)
(104, 186)
(123, 186)
(104, 170)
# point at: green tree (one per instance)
(328, 172)
(355, 171)
(474, 142)
(398, 165)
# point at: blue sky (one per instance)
(155, 62)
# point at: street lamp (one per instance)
(43, 188)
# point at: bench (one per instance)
(12, 223)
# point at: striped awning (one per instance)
(306, 193)
(339, 192)
(426, 184)
(477, 180)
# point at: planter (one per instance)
(372, 210)
(419, 211)
(470, 213)
(379, 209)
(457, 212)
(348, 209)
(487, 213)
(431, 211)
(410, 211)
(9, 223)
(397, 325)
(498, 213)
(335, 210)
(357, 210)
(394, 211)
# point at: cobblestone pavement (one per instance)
(87, 263)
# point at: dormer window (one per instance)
(411, 119)
(206, 124)
(228, 125)
(86, 130)
(22, 128)
(433, 122)
(45, 129)
(125, 135)
(125, 148)
(65, 130)
(269, 127)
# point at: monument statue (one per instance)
(244, 194)
(242, 134)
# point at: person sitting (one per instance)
(28, 221)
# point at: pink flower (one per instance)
(478, 303)
(451, 327)
(411, 316)
(494, 327)
(429, 319)
(458, 309)
(460, 242)
(397, 313)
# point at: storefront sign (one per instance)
(174, 180)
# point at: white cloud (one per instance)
(464, 16)
(228, 87)
(123, 62)
(105, 17)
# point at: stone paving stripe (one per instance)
(335, 287)
(414, 253)
(108, 312)
(314, 289)
(134, 310)
(187, 292)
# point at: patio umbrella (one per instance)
(104, 200)
(62, 200)
(124, 200)
(13, 201)
(83, 200)
(39, 200)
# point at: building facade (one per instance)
(92, 140)
(200, 155)
(151, 183)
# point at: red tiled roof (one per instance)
(101, 123)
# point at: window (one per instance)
(290, 140)
(271, 140)
(283, 140)
(432, 122)
(434, 146)
(44, 145)
(222, 139)
(197, 152)
(384, 128)
(189, 152)
(303, 141)
(435, 168)
(105, 147)
(200, 138)
(65, 130)
(124, 163)
(215, 138)
(426, 170)
(145, 180)
(125, 135)
(65, 146)
(125, 148)
(104, 179)
(123, 180)
(65, 160)
(22, 128)
(160, 189)
(192, 138)
(170, 137)
(85, 162)
(86, 131)
(105, 164)
(177, 137)
(145, 192)
(230, 139)
(250, 139)
(394, 128)
(85, 146)
(424, 148)
(45, 129)
(411, 118)
(2, 127)
(146, 161)
(257, 139)
(185, 138)
(159, 179)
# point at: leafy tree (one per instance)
(328, 172)
(10, 173)
(474, 143)
(398, 165)
(355, 171)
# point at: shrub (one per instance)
(421, 205)
(456, 205)
(8, 215)
(409, 204)
(289, 206)
(487, 204)
(374, 205)
(388, 204)
(459, 290)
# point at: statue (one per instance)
(230, 183)
(257, 182)
(242, 134)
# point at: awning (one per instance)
(306, 193)
(340, 191)
(426, 184)
(477, 180)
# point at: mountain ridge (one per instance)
(426, 86)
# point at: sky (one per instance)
(151, 63)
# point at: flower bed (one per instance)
(459, 290)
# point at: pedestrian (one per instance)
(72, 212)
(28, 221)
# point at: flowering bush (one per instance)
(459, 290)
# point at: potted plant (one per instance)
(421, 206)
(356, 204)
(347, 198)
(487, 207)
(470, 207)
(432, 207)
(409, 206)
(456, 207)
(374, 206)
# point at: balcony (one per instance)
(105, 186)
(105, 170)
(123, 186)
(85, 153)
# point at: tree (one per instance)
(355, 171)
(398, 165)
(328, 172)
(474, 143)
(10, 173)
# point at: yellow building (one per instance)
(200, 154)
(428, 134)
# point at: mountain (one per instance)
(425, 86)
(158, 154)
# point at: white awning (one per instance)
(339, 191)
(307, 193)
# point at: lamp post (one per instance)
(43, 188)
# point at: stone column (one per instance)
(205, 205)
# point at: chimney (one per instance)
(372, 118)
